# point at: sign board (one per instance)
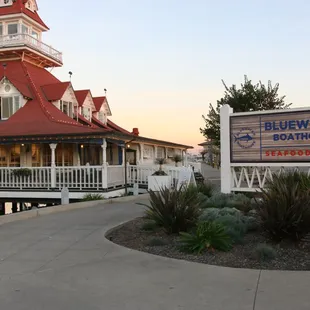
(186, 177)
(273, 137)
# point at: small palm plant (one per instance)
(160, 162)
(177, 159)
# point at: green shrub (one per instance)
(218, 200)
(209, 215)
(285, 207)
(234, 227)
(206, 188)
(155, 241)
(207, 236)
(240, 202)
(229, 211)
(174, 210)
(23, 172)
(149, 226)
(264, 252)
(90, 197)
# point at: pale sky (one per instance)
(162, 61)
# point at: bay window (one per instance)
(25, 29)
(9, 105)
(13, 29)
(34, 34)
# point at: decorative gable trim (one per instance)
(31, 5)
(18, 86)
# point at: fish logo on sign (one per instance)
(245, 138)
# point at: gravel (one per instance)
(288, 256)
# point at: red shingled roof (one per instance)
(99, 102)
(81, 95)
(85, 121)
(55, 91)
(18, 7)
(117, 128)
(38, 116)
(100, 124)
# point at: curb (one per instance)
(65, 208)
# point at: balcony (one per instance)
(26, 40)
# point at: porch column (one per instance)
(104, 164)
(155, 152)
(53, 165)
(123, 155)
(141, 152)
(185, 158)
(166, 153)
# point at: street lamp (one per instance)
(127, 145)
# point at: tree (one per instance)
(250, 97)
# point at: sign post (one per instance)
(226, 177)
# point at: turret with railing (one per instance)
(21, 31)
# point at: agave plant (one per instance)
(285, 206)
(175, 210)
(207, 236)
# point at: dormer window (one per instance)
(66, 107)
(87, 113)
(5, 2)
(102, 117)
(30, 5)
(9, 105)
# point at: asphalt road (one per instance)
(63, 261)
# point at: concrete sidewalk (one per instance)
(62, 261)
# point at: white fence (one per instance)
(139, 174)
(35, 178)
(115, 176)
(78, 178)
(83, 177)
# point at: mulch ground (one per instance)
(288, 256)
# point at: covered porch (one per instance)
(80, 164)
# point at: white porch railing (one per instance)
(20, 39)
(78, 178)
(40, 177)
(83, 177)
(116, 176)
(139, 174)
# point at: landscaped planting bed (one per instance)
(203, 225)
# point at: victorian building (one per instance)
(62, 135)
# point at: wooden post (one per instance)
(53, 165)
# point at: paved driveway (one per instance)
(62, 261)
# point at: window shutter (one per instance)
(16, 103)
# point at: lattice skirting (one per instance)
(252, 179)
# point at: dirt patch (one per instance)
(288, 256)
